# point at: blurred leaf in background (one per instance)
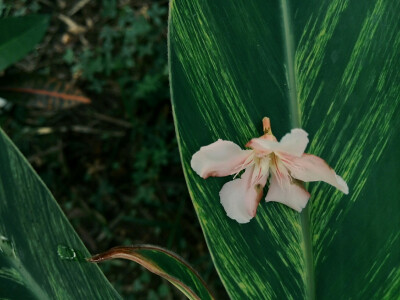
(18, 36)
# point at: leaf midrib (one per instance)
(295, 119)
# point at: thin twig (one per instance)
(73, 27)
(112, 120)
(78, 128)
(37, 156)
(77, 7)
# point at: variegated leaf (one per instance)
(330, 67)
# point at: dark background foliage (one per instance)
(113, 165)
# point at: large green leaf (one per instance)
(41, 256)
(330, 67)
(18, 36)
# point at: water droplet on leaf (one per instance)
(68, 253)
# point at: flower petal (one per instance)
(293, 143)
(220, 158)
(240, 197)
(262, 145)
(287, 192)
(313, 168)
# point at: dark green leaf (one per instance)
(41, 256)
(18, 36)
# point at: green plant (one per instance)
(128, 47)
(52, 263)
(329, 67)
(326, 71)
(41, 256)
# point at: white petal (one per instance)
(313, 168)
(287, 193)
(240, 197)
(293, 143)
(219, 159)
(262, 145)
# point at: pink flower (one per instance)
(285, 161)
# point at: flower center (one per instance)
(261, 167)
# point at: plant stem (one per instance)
(295, 117)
